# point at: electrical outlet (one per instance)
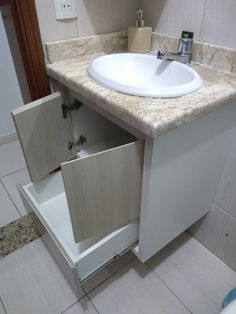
(65, 9)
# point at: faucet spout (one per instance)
(184, 52)
(174, 56)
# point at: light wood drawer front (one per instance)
(84, 258)
(104, 190)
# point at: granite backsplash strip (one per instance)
(79, 47)
(218, 57)
(221, 58)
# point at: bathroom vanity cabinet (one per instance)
(99, 187)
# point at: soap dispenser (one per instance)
(139, 36)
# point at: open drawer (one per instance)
(89, 207)
(48, 201)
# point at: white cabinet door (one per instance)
(104, 190)
(44, 135)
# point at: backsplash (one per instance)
(219, 57)
(78, 47)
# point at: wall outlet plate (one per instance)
(65, 9)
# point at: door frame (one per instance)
(28, 34)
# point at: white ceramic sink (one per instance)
(144, 75)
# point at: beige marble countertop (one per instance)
(148, 115)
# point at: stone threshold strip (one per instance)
(17, 234)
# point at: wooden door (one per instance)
(44, 135)
(104, 190)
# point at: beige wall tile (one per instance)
(173, 16)
(50, 28)
(212, 21)
(219, 23)
(155, 14)
(226, 191)
(226, 247)
(94, 17)
(207, 230)
(104, 16)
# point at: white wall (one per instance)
(15, 52)
(10, 95)
(94, 17)
(212, 21)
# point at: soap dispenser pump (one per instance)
(139, 36)
(139, 20)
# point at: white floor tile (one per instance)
(194, 274)
(8, 211)
(84, 306)
(133, 290)
(32, 283)
(11, 158)
(10, 182)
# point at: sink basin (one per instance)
(144, 75)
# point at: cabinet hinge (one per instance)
(82, 139)
(77, 104)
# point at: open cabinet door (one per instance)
(44, 135)
(104, 190)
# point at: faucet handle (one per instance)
(186, 43)
(185, 46)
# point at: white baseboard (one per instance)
(8, 138)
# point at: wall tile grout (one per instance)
(1, 302)
(202, 20)
(225, 211)
(213, 252)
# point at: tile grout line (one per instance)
(77, 301)
(93, 304)
(224, 210)
(11, 199)
(13, 172)
(212, 252)
(72, 304)
(1, 302)
(168, 288)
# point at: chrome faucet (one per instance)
(184, 52)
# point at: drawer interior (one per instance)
(50, 205)
(48, 201)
